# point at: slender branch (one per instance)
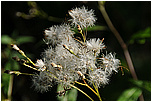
(121, 42)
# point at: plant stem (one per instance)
(9, 94)
(90, 89)
(121, 42)
(73, 87)
(81, 91)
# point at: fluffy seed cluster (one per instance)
(67, 60)
(83, 17)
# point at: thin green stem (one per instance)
(96, 93)
(73, 86)
(29, 60)
(81, 91)
(9, 94)
(83, 36)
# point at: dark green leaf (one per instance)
(5, 81)
(96, 28)
(141, 36)
(8, 65)
(142, 84)
(25, 39)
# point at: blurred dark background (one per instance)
(132, 19)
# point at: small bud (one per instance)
(56, 66)
(65, 47)
(16, 59)
(15, 47)
(81, 74)
(53, 65)
(23, 61)
(68, 49)
(69, 11)
(79, 29)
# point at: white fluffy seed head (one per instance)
(42, 82)
(95, 45)
(57, 34)
(73, 60)
(82, 16)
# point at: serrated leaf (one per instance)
(131, 94)
(25, 39)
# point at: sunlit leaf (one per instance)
(61, 98)
(71, 95)
(131, 94)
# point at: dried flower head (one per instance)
(56, 34)
(68, 59)
(95, 45)
(83, 17)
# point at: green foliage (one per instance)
(15, 38)
(71, 95)
(5, 39)
(96, 28)
(131, 94)
(24, 39)
(141, 36)
(8, 53)
(142, 84)
(5, 82)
